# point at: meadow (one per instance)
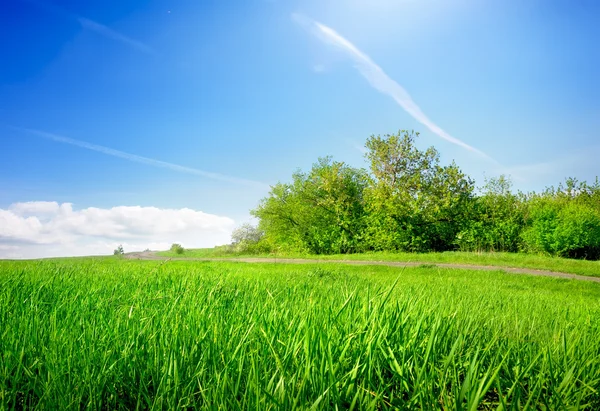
(117, 334)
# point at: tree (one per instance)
(119, 250)
(413, 203)
(321, 211)
(177, 248)
(246, 233)
(497, 220)
(248, 239)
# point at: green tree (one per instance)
(321, 211)
(177, 248)
(497, 220)
(248, 238)
(413, 203)
(246, 233)
(119, 250)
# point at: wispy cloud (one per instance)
(379, 79)
(143, 160)
(580, 162)
(318, 68)
(94, 26)
(114, 35)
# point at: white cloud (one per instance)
(37, 208)
(379, 79)
(48, 229)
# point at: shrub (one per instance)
(496, 221)
(177, 248)
(564, 229)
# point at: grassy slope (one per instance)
(120, 334)
(591, 268)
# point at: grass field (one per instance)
(117, 334)
(539, 262)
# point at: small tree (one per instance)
(320, 211)
(246, 233)
(177, 248)
(247, 238)
(119, 250)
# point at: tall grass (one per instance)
(140, 335)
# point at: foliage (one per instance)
(246, 233)
(497, 219)
(566, 221)
(177, 248)
(103, 334)
(413, 203)
(320, 211)
(119, 250)
(247, 239)
(408, 201)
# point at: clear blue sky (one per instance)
(235, 95)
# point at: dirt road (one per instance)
(150, 255)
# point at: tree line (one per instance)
(407, 201)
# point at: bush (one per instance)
(496, 220)
(177, 248)
(565, 230)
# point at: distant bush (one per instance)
(177, 248)
(565, 230)
(496, 219)
(119, 250)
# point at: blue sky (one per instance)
(126, 108)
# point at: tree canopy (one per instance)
(407, 200)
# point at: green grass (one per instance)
(516, 260)
(198, 253)
(118, 334)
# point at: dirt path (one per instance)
(150, 255)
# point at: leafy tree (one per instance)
(497, 220)
(246, 233)
(177, 248)
(119, 250)
(248, 239)
(413, 203)
(320, 211)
